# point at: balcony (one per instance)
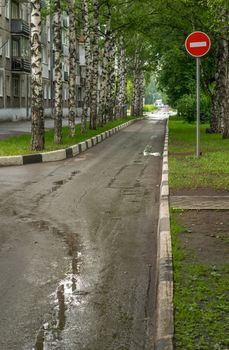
(20, 64)
(20, 27)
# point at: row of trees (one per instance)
(167, 24)
(112, 59)
(125, 41)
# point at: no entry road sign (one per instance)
(198, 44)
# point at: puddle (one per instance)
(148, 151)
(70, 293)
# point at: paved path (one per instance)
(199, 202)
(8, 129)
(78, 244)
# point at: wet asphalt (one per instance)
(78, 242)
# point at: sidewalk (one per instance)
(8, 129)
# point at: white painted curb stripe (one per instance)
(11, 160)
(53, 156)
(164, 308)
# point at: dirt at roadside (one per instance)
(206, 235)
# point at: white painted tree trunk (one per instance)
(102, 116)
(88, 62)
(118, 89)
(58, 73)
(95, 61)
(138, 89)
(110, 101)
(37, 108)
(72, 69)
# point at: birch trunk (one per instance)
(123, 77)
(138, 90)
(37, 108)
(121, 81)
(88, 62)
(118, 92)
(58, 74)
(72, 69)
(95, 61)
(102, 117)
(110, 102)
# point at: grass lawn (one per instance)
(186, 171)
(201, 299)
(21, 144)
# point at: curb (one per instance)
(164, 307)
(65, 153)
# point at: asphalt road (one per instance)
(78, 247)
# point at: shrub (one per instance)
(149, 108)
(186, 107)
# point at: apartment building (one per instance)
(15, 67)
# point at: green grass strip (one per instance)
(186, 171)
(201, 299)
(21, 144)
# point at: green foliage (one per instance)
(186, 107)
(200, 299)
(149, 108)
(185, 170)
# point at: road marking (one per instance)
(198, 44)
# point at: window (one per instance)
(1, 43)
(65, 40)
(15, 86)
(15, 10)
(49, 92)
(7, 49)
(1, 83)
(23, 88)
(8, 93)
(15, 48)
(7, 9)
(45, 91)
(48, 31)
(44, 54)
(24, 47)
(66, 67)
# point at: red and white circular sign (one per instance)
(198, 44)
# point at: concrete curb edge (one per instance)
(65, 153)
(164, 305)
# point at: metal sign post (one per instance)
(198, 107)
(197, 44)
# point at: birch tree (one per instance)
(110, 100)
(37, 108)
(58, 73)
(88, 62)
(72, 69)
(102, 117)
(95, 61)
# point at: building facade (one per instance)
(15, 67)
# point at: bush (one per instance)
(149, 108)
(186, 107)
